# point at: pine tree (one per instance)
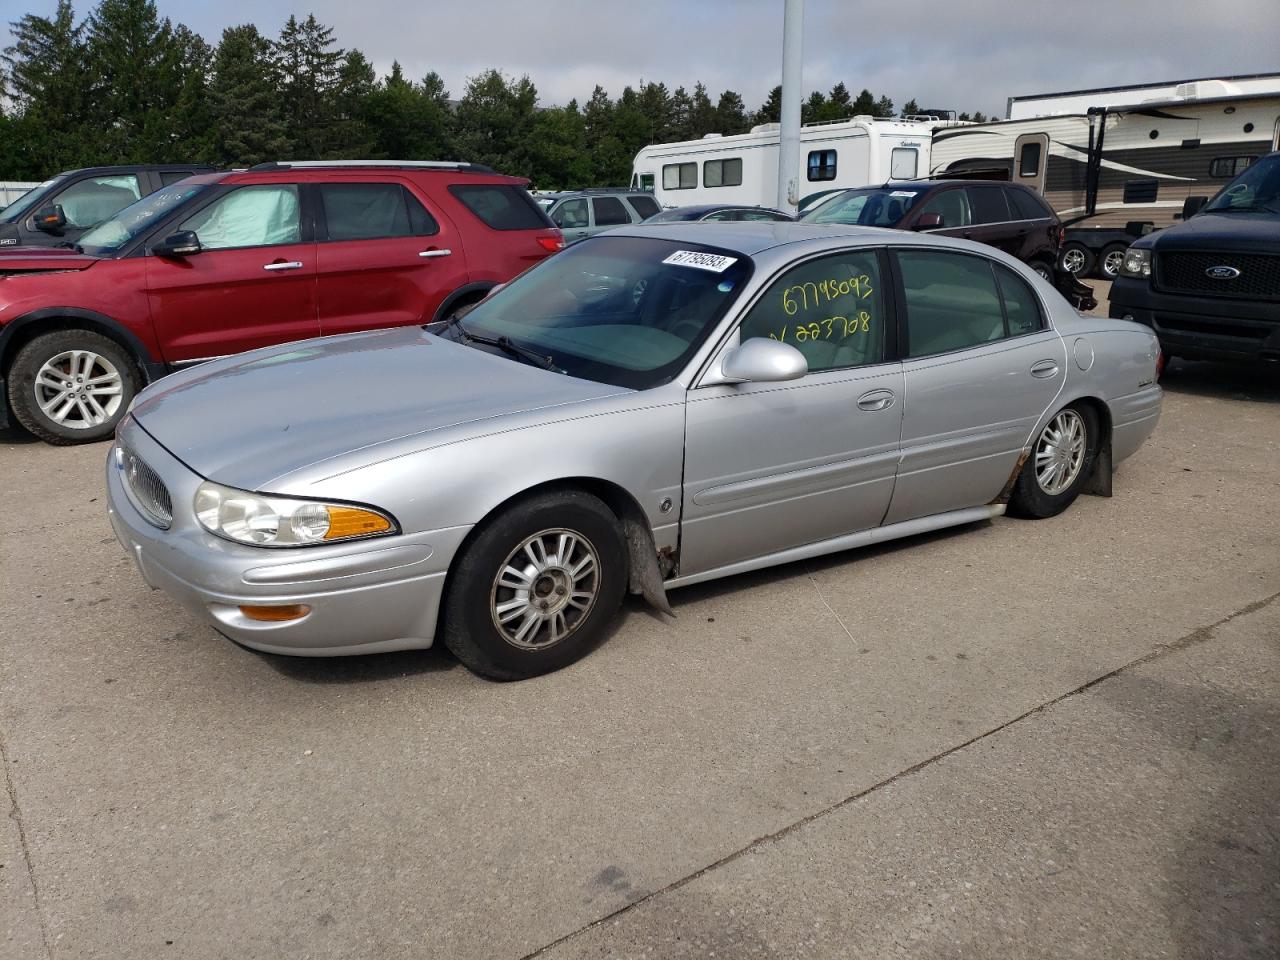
(771, 110)
(681, 125)
(865, 105)
(813, 109)
(309, 66)
(247, 125)
(495, 122)
(702, 113)
(408, 121)
(189, 64)
(349, 138)
(910, 108)
(559, 161)
(655, 104)
(883, 108)
(731, 114)
(839, 104)
(46, 67)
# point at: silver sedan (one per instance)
(657, 407)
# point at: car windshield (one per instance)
(627, 311)
(869, 207)
(1258, 188)
(111, 235)
(19, 207)
(676, 214)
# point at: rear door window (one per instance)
(951, 300)
(173, 176)
(88, 202)
(1021, 306)
(500, 206)
(645, 206)
(609, 211)
(988, 205)
(367, 211)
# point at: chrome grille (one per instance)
(149, 493)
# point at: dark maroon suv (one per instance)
(1009, 216)
(1004, 215)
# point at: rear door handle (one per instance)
(435, 253)
(1045, 369)
(876, 400)
(284, 265)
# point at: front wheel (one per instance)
(71, 386)
(1060, 462)
(537, 587)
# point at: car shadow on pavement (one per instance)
(16, 436)
(367, 668)
(1259, 382)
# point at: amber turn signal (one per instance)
(346, 522)
(280, 614)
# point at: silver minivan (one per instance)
(587, 212)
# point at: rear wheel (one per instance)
(71, 386)
(1044, 269)
(1059, 465)
(1077, 259)
(537, 587)
(1111, 259)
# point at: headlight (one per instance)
(266, 521)
(1137, 263)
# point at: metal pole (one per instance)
(789, 142)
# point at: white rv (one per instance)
(743, 169)
(1123, 164)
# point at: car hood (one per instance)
(249, 420)
(33, 259)
(1254, 232)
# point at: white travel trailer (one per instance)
(743, 169)
(1124, 165)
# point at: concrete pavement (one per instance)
(874, 755)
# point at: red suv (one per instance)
(226, 262)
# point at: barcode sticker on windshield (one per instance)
(703, 261)
(901, 193)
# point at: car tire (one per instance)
(520, 582)
(72, 386)
(1110, 259)
(1058, 467)
(1077, 259)
(1043, 268)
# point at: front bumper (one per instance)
(1200, 328)
(364, 597)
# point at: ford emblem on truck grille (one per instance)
(1222, 273)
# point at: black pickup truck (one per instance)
(1210, 287)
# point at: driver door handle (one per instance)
(876, 400)
(283, 265)
(434, 252)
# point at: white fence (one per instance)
(11, 190)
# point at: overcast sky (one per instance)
(961, 54)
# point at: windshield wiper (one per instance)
(68, 245)
(546, 362)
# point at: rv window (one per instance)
(1029, 159)
(722, 173)
(822, 165)
(988, 205)
(646, 182)
(1228, 167)
(903, 163)
(679, 176)
(1141, 191)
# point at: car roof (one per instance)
(141, 168)
(321, 171)
(749, 237)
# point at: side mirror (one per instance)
(928, 221)
(51, 219)
(761, 360)
(1193, 205)
(184, 243)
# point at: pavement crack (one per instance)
(15, 814)
(1194, 638)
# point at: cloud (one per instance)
(968, 55)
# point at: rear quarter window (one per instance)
(501, 206)
(1027, 206)
(645, 206)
